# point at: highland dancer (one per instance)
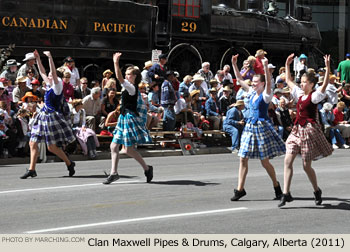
(50, 125)
(259, 138)
(131, 127)
(306, 137)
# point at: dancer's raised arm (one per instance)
(52, 67)
(267, 76)
(41, 67)
(118, 72)
(327, 60)
(289, 80)
(237, 73)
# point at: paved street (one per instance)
(189, 194)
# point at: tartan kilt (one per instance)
(309, 141)
(52, 128)
(130, 130)
(261, 141)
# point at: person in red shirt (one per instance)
(258, 67)
(68, 89)
(343, 126)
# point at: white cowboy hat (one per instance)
(29, 56)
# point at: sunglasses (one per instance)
(2, 88)
(84, 83)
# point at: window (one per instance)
(186, 8)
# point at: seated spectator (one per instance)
(234, 124)
(197, 108)
(345, 97)
(274, 120)
(36, 90)
(339, 121)
(284, 118)
(196, 85)
(226, 101)
(212, 108)
(111, 83)
(68, 89)
(112, 120)
(152, 120)
(277, 94)
(28, 98)
(4, 97)
(145, 78)
(185, 85)
(109, 104)
(11, 70)
(23, 132)
(332, 91)
(82, 91)
(106, 76)
(153, 100)
(86, 137)
(207, 75)
(183, 110)
(327, 118)
(7, 133)
(19, 91)
(220, 78)
(92, 107)
(247, 70)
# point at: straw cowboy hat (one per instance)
(227, 88)
(213, 90)
(29, 56)
(278, 90)
(238, 103)
(148, 64)
(286, 90)
(106, 72)
(21, 79)
(260, 52)
(212, 81)
(194, 92)
(29, 94)
(197, 77)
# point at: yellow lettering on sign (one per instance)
(13, 23)
(132, 28)
(34, 23)
(23, 22)
(4, 19)
(188, 27)
(96, 25)
(41, 23)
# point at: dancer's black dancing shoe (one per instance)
(71, 168)
(29, 173)
(149, 174)
(111, 178)
(278, 192)
(238, 194)
(285, 198)
(318, 198)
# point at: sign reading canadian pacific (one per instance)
(62, 24)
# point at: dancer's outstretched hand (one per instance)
(290, 59)
(116, 57)
(234, 59)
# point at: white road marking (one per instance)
(64, 187)
(159, 217)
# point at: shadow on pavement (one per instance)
(183, 182)
(343, 205)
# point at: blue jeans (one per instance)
(335, 136)
(235, 134)
(169, 119)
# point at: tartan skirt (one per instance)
(131, 130)
(261, 141)
(309, 141)
(52, 128)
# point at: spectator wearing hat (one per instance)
(20, 90)
(29, 65)
(226, 101)
(11, 70)
(301, 67)
(272, 68)
(197, 85)
(183, 110)
(82, 91)
(197, 108)
(69, 66)
(168, 100)
(36, 90)
(107, 74)
(234, 124)
(212, 108)
(185, 85)
(92, 107)
(277, 94)
(144, 74)
(157, 72)
(332, 91)
(327, 118)
(258, 67)
(283, 117)
(344, 69)
(154, 102)
(28, 98)
(207, 75)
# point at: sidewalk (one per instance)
(103, 155)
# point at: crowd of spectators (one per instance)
(205, 101)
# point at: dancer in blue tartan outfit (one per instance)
(131, 127)
(50, 125)
(259, 138)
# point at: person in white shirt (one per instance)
(183, 109)
(69, 66)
